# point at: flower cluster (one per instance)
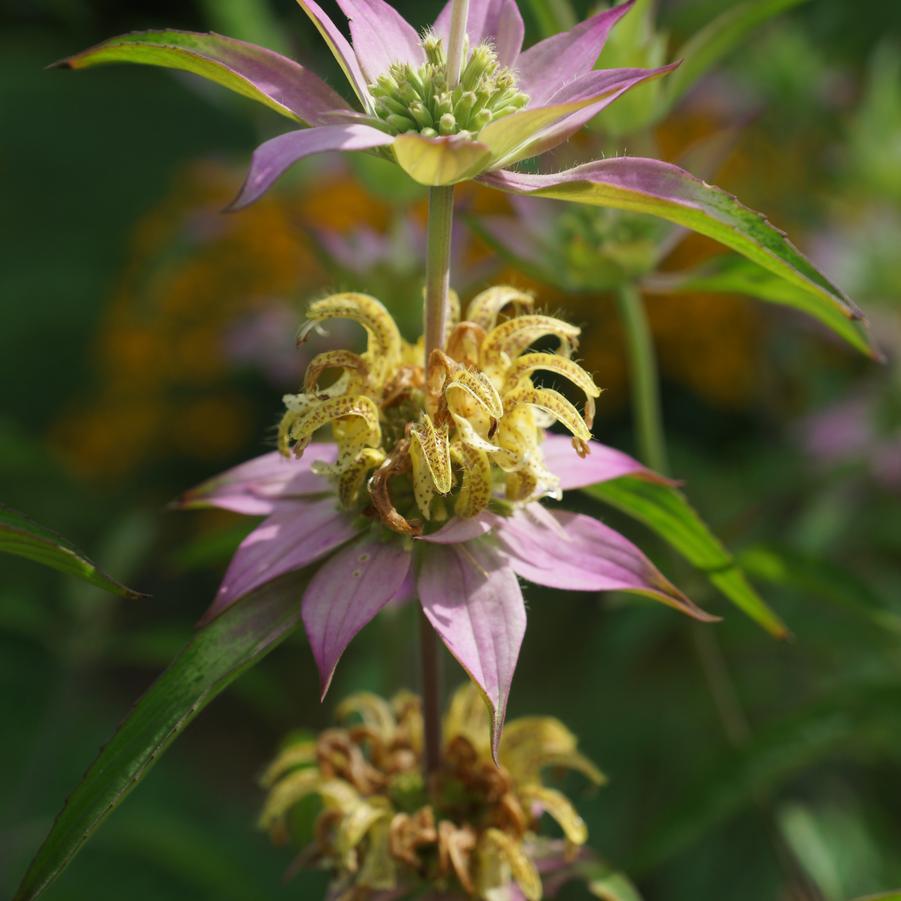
(472, 830)
(409, 98)
(451, 438)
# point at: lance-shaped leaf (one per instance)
(665, 190)
(215, 657)
(251, 71)
(473, 601)
(665, 510)
(735, 275)
(715, 41)
(23, 538)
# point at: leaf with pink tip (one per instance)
(255, 72)
(664, 190)
(601, 465)
(297, 534)
(472, 599)
(583, 554)
(556, 61)
(535, 130)
(381, 36)
(340, 47)
(346, 592)
(273, 157)
(254, 488)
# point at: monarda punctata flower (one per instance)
(444, 126)
(432, 487)
(473, 832)
(503, 106)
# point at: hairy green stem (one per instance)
(648, 416)
(437, 275)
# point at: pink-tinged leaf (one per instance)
(565, 113)
(601, 465)
(297, 534)
(381, 36)
(255, 487)
(509, 34)
(459, 530)
(272, 158)
(341, 49)
(472, 599)
(554, 62)
(346, 592)
(583, 554)
(442, 160)
(255, 72)
(664, 190)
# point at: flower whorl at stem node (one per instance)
(451, 437)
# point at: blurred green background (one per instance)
(145, 345)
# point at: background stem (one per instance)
(643, 379)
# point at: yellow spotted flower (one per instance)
(473, 831)
(431, 483)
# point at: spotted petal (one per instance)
(274, 156)
(254, 488)
(381, 36)
(472, 598)
(255, 72)
(664, 190)
(550, 64)
(582, 554)
(296, 534)
(347, 592)
(601, 465)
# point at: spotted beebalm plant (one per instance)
(432, 487)
(436, 477)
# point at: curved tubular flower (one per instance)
(510, 105)
(432, 487)
(473, 830)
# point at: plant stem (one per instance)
(643, 378)
(431, 695)
(437, 278)
(434, 321)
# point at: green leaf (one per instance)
(251, 71)
(666, 511)
(857, 719)
(715, 41)
(732, 274)
(664, 190)
(24, 538)
(214, 658)
(820, 579)
(610, 885)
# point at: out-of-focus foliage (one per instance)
(145, 342)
